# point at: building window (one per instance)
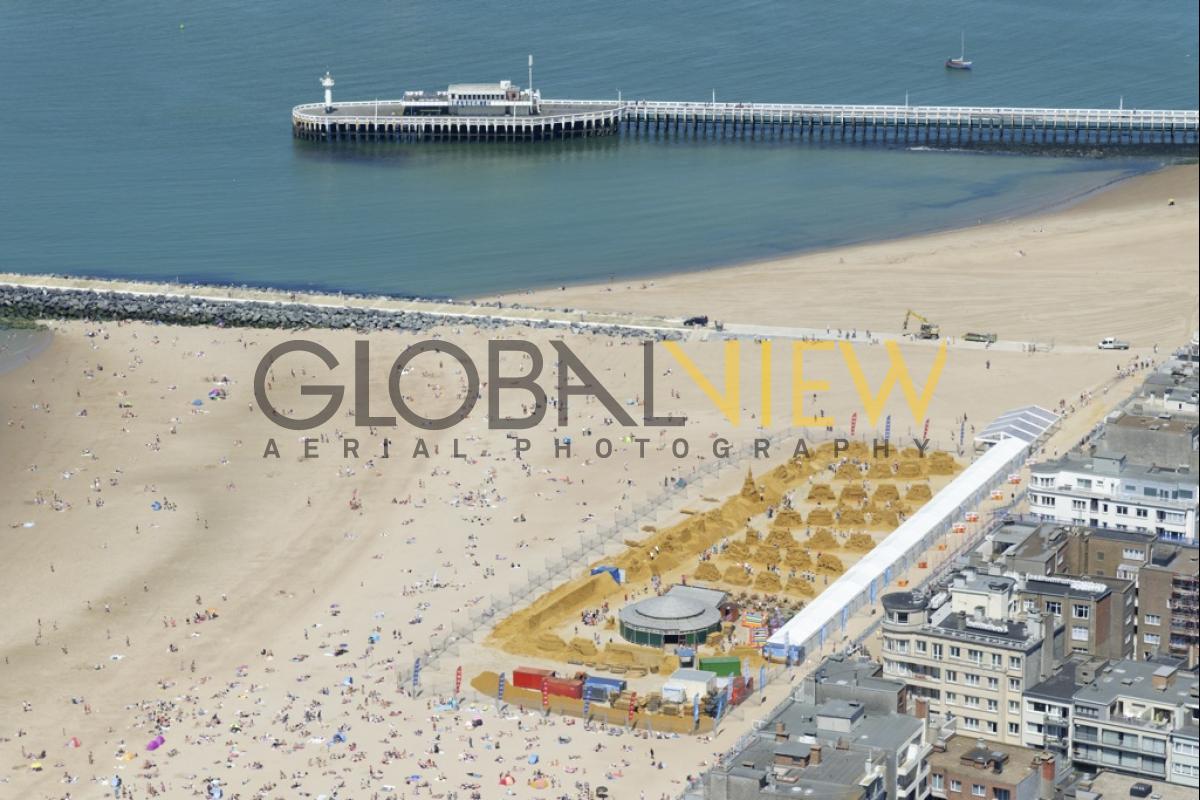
(937, 650)
(955, 785)
(1151, 639)
(1014, 684)
(1082, 611)
(978, 790)
(1186, 770)
(955, 651)
(1153, 619)
(971, 723)
(970, 679)
(939, 781)
(1182, 748)
(1142, 512)
(993, 683)
(920, 645)
(1079, 633)
(993, 727)
(951, 676)
(1054, 607)
(1014, 728)
(970, 701)
(1014, 706)
(993, 705)
(1001, 794)
(1014, 662)
(997, 660)
(1131, 553)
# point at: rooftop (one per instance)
(1111, 786)
(1114, 465)
(999, 632)
(836, 776)
(888, 732)
(1135, 679)
(1167, 423)
(966, 752)
(1028, 423)
(680, 608)
(1070, 588)
(1059, 687)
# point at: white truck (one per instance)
(1112, 343)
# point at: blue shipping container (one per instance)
(613, 684)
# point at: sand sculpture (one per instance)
(820, 493)
(828, 564)
(821, 516)
(919, 492)
(788, 518)
(822, 539)
(665, 551)
(860, 543)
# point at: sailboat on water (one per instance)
(960, 62)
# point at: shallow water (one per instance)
(157, 143)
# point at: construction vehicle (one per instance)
(985, 338)
(928, 330)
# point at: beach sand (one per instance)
(1120, 263)
(123, 529)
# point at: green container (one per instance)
(724, 666)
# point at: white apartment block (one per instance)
(1108, 492)
(962, 652)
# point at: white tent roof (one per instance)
(938, 511)
(1027, 423)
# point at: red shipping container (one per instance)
(565, 687)
(530, 677)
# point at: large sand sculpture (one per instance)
(786, 533)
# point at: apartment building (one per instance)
(1046, 712)
(1138, 718)
(838, 737)
(969, 651)
(1099, 615)
(1111, 491)
(1164, 573)
(1166, 619)
(964, 768)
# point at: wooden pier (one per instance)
(935, 126)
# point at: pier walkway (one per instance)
(936, 125)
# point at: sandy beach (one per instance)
(167, 575)
(1122, 262)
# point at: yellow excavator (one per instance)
(928, 330)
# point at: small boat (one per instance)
(960, 62)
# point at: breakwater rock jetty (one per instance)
(206, 306)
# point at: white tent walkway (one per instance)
(863, 582)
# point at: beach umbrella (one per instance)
(197, 402)
(73, 742)
(533, 758)
(36, 766)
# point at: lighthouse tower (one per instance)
(327, 82)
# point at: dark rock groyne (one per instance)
(47, 303)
